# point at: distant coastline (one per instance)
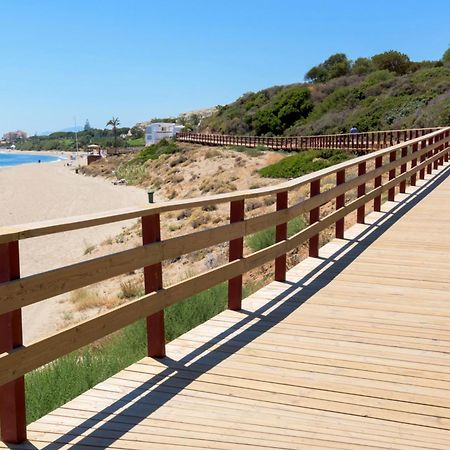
(12, 158)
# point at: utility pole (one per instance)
(76, 143)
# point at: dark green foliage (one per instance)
(362, 66)
(368, 98)
(303, 163)
(265, 238)
(163, 147)
(393, 61)
(446, 57)
(335, 66)
(65, 141)
(269, 112)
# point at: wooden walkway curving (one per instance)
(351, 352)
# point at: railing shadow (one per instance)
(132, 408)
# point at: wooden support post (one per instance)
(446, 144)
(361, 190)
(436, 151)
(314, 216)
(422, 159)
(281, 235)
(391, 192)
(236, 251)
(156, 342)
(404, 153)
(377, 183)
(414, 164)
(340, 203)
(429, 155)
(12, 395)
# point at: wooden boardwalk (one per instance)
(351, 352)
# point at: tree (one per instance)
(393, 61)
(335, 66)
(446, 57)
(137, 132)
(114, 123)
(87, 125)
(362, 66)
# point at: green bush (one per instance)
(265, 238)
(163, 147)
(303, 163)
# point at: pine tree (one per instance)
(87, 125)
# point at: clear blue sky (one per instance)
(138, 59)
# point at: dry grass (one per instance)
(89, 248)
(213, 185)
(199, 218)
(131, 289)
(83, 299)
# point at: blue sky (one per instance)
(139, 59)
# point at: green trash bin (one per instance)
(150, 196)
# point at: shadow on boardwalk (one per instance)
(133, 408)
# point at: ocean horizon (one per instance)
(11, 159)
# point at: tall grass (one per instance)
(265, 238)
(51, 386)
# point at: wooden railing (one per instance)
(363, 142)
(397, 165)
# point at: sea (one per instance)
(8, 159)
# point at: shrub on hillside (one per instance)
(303, 163)
(393, 61)
(163, 147)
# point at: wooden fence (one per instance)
(364, 142)
(386, 170)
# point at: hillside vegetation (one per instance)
(387, 91)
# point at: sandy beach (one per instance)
(36, 192)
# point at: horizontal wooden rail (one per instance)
(400, 162)
(362, 142)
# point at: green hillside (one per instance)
(386, 91)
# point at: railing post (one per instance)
(391, 192)
(314, 216)
(403, 170)
(236, 251)
(377, 183)
(423, 157)
(340, 202)
(429, 155)
(12, 395)
(447, 134)
(361, 212)
(414, 164)
(436, 151)
(281, 235)
(156, 342)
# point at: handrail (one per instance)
(406, 162)
(361, 141)
(25, 231)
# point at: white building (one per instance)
(161, 130)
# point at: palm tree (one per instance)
(114, 123)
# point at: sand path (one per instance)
(37, 192)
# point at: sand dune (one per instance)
(37, 192)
